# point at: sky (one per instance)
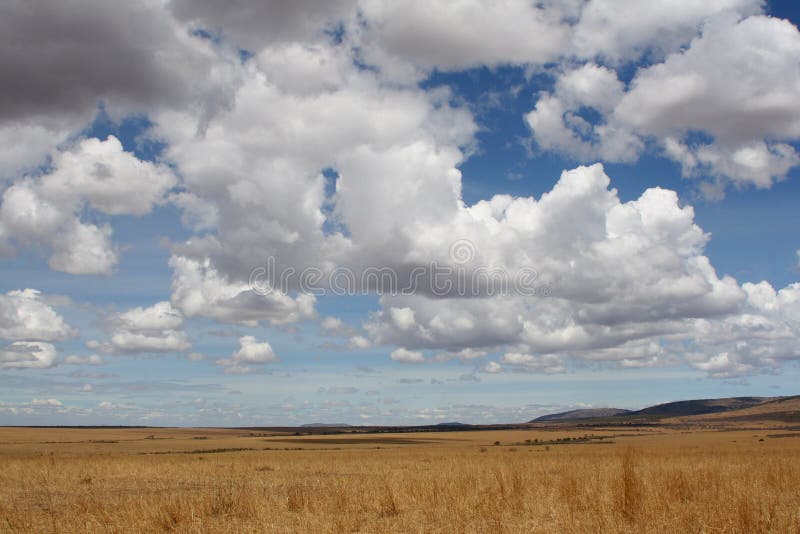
(374, 212)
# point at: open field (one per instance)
(217, 480)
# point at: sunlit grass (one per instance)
(459, 482)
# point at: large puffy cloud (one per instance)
(758, 336)
(589, 248)
(83, 249)
(445, 323)
(59, 62)
(155, 329)
(26, 316)
(558, 121)
(628, 285)
(30, 322)
(400, 36)
(762, 336)
(734, 85)
(46, 210)
(737, 84)
(199, 289)
(255, 24)
(62, 58)
(108, 178)
(406, 40)
(259, 167)
(623, 30)
(168, 65)
(410, 38)
(402, 40)
(24, 146)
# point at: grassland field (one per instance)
(558, 479)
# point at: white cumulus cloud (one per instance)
(250, 352)
(734, 84)
(156, 329)
(27, 355)
(46, 210)
(26, 316)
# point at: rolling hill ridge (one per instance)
(729, 408)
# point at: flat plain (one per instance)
(536, 479)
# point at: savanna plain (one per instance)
(538, 479)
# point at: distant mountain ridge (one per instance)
(785, 409)
(683, 408)
(702, 406)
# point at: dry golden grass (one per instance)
(647, 481)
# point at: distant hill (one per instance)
(325, 425)
(785, 409)
(587, 413)
(701, 406)
(453, 424)
(686, 410)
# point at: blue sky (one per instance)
(135, 205)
